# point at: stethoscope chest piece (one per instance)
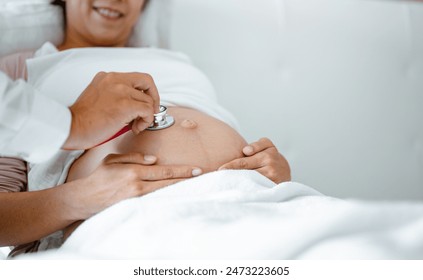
(161, 120)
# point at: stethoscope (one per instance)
(161, 121)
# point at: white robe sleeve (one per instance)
(32, 126)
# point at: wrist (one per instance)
(74, 201)
(71, 142)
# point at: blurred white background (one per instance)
(336, 84)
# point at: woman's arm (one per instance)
(29, 216)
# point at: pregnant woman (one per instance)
(202, 133)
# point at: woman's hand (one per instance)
(123, 176)
(263, 157)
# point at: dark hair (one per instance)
(62, 4)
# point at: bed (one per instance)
(243, 215)
(327, 82)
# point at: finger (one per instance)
(130, 158)
(269, 173)
(142, 93)
(277, 176)
(140, 125)
(149, 187)
(141, 106)
(145, 83)
(163, 172)
(134, 128)
(99, 77)
(258, 146)
(252, 162)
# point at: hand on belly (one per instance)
(195, 139)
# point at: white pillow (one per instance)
(27, 24)
(152, 30)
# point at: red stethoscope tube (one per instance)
(119, 133)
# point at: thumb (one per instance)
(226, 166)
(139, 125)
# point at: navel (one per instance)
(188, 124)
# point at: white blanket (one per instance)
(243, 215)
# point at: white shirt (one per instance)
(32, 126)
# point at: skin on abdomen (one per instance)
(195, 139)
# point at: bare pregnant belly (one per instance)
(195, 139)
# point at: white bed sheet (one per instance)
(243, 215)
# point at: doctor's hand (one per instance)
(109, 103)
(123, 176)
(263, 157)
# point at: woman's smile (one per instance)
(108, 13)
